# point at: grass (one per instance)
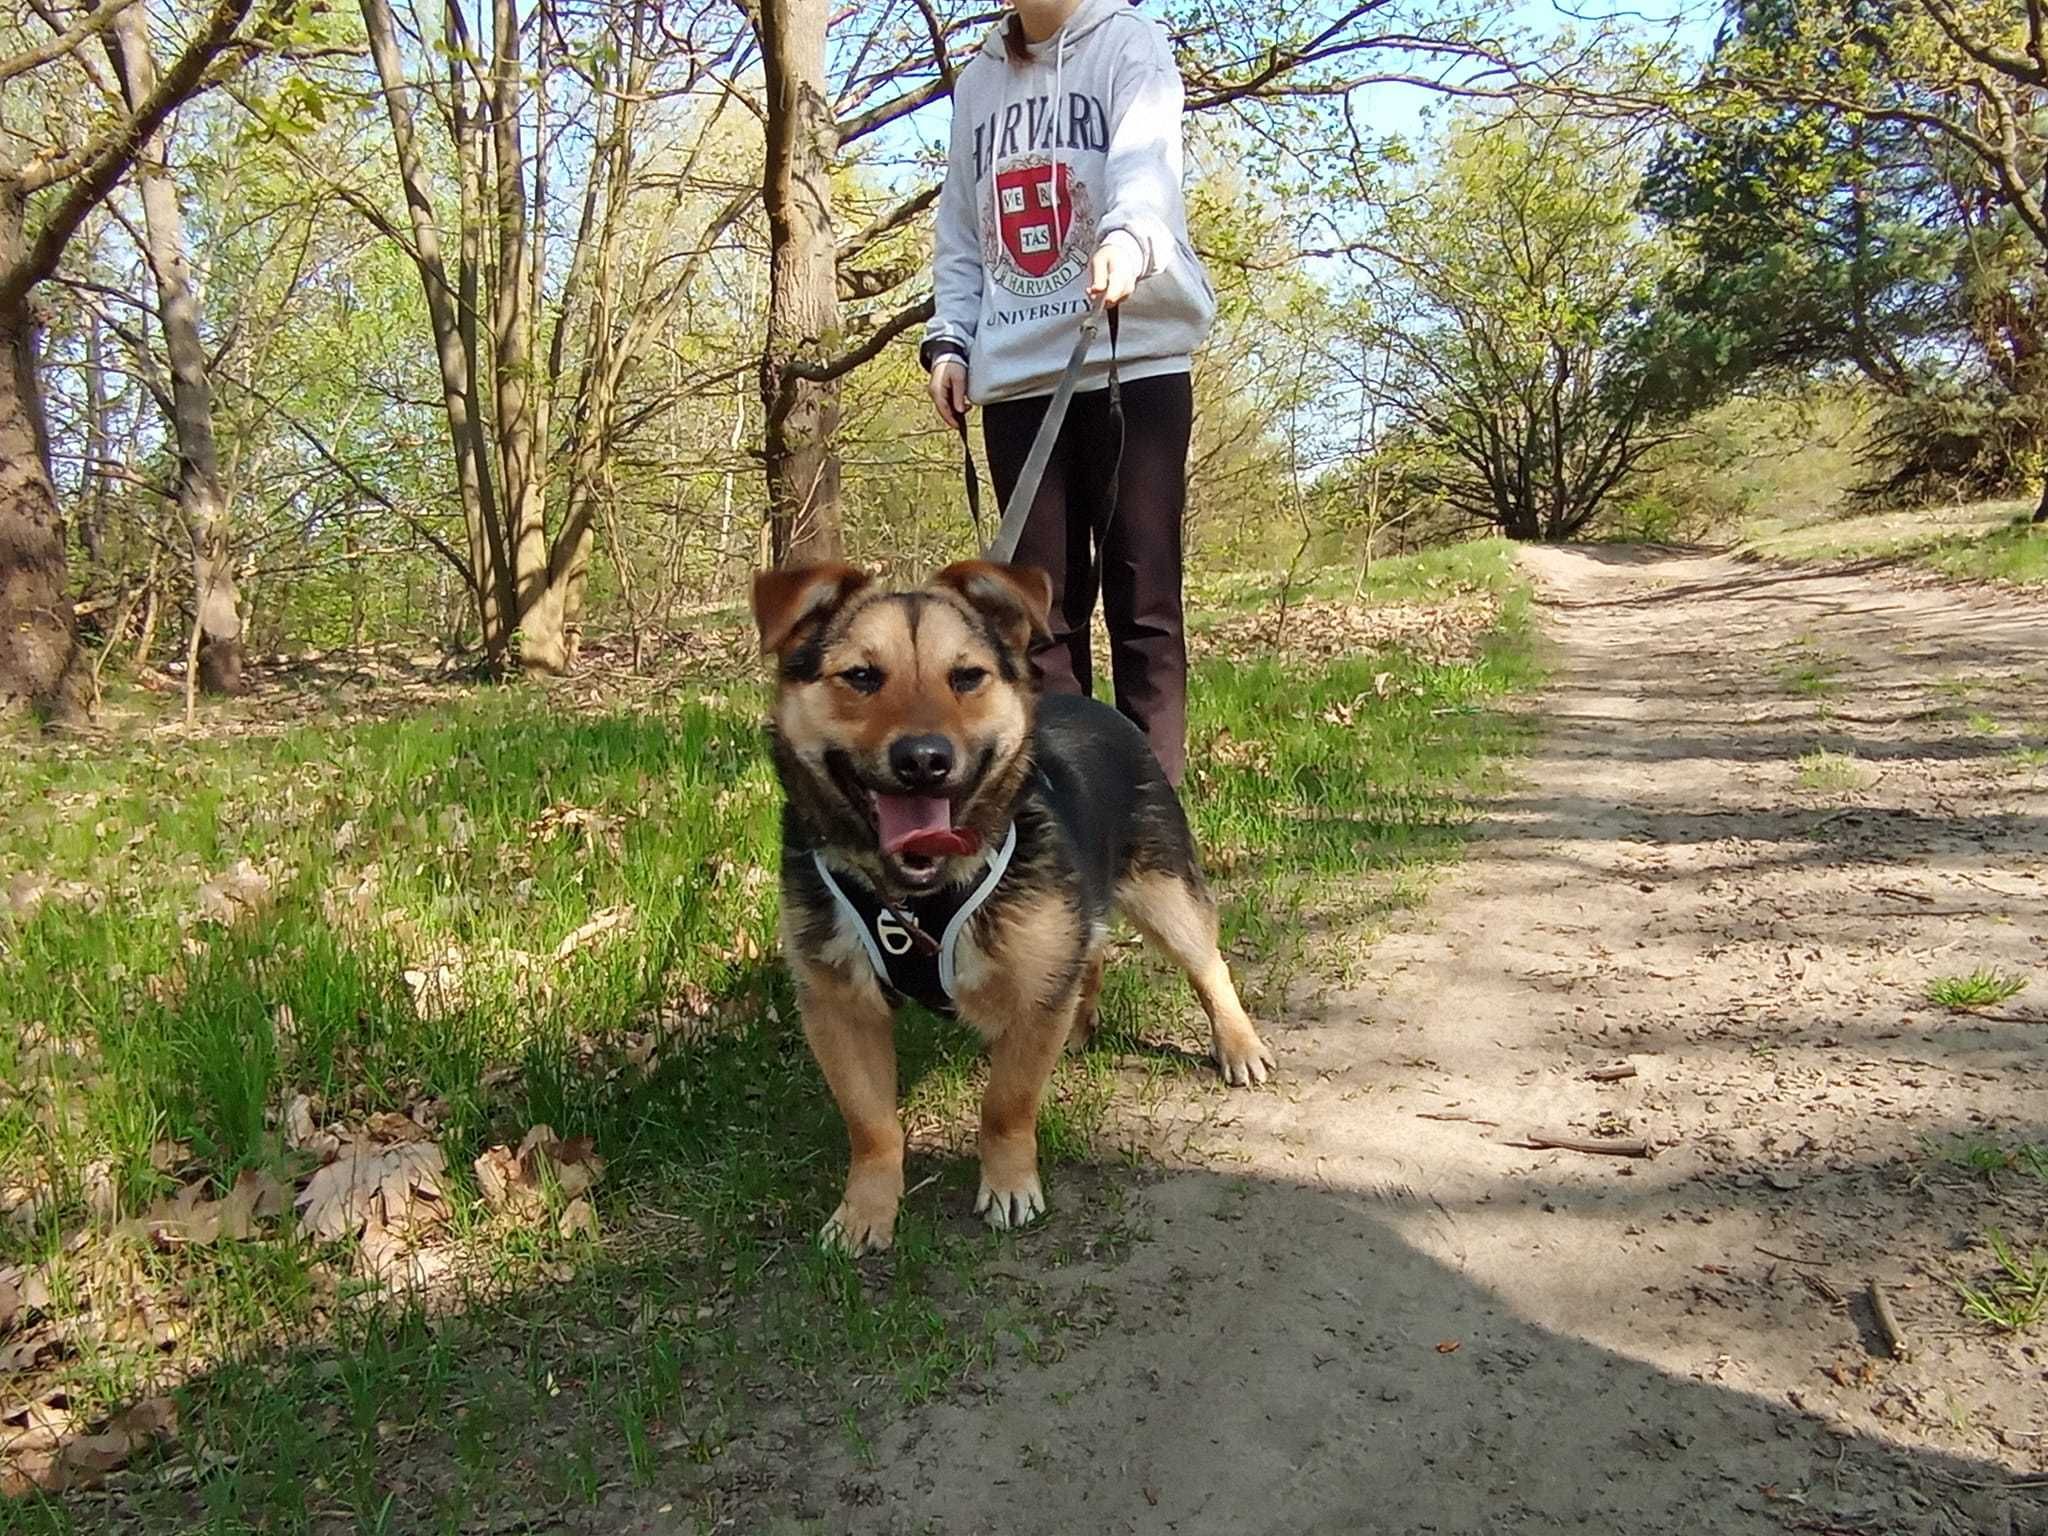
(1985, 542)
(1813, 679)
(2014, 1297)
(368, 912)
(1991, 1158)
(1980, 989)
(1482, 565)
(1833, 773)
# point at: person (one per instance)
(1063, 185)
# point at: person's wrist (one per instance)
(936, 353)
(1132, 244)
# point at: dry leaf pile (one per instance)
(244, 890)
(382, 1185)
(516, 1184)
(43, 1446)
(594, 829)
(188, 1219)
(27, 891)
(453, 978)
(1322, 629)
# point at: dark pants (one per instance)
(1138, 564)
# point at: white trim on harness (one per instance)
(948, 941)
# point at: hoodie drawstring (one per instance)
(1059, 99)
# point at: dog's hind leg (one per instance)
(1178, 917)
(851, 1030)
(1087, 1019)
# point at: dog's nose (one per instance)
(921, 762)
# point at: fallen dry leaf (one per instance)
(302, 1133)
(398, 1261)
(97, 1177)
(186, 1219)
(579, 1218)
(515, 1183)
(241, 891)
(596, 928)
(55, 1462)
(1323, 629)
(444, 985)
(397, 1184)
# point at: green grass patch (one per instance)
(2013, 1297)
(1811, 673)
(1991, 541)
(2016, 553)
(505, 910)
(2029, 759)
(1980, 989)
(1833, 773)
(1484, 565)
(1988, 1158)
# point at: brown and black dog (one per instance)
(950, 835)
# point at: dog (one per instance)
(951, 835)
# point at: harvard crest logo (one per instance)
(1044, 223)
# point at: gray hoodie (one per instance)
(1078, 144)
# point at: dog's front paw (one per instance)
(1244, 1059)
(860, 1226)
(1008, 1201)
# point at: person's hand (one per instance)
(1115, 270)
(948, 385)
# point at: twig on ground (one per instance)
(1612, 1073)
(1888, 1324)
(1604, 1146)
(1827, 1293)
(1469, 1119)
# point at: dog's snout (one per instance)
(921, 762)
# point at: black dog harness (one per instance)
(904, 967)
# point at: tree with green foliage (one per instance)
(60, 156)
(1504, 324)
(1855, 186)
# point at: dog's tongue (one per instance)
(920, 825)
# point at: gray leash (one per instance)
(1003, 548)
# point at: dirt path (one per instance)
(1364, 1313)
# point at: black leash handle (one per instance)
(972, 475)
(1116, 421)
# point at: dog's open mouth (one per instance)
(917, 832)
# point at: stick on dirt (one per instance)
(1888, 1325)
(1603, 1146)
(1613, 1072)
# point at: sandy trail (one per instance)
(1356, 1317)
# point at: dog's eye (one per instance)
(862, 679)
(967, 679)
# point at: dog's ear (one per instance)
(1017, 597)
(785, 599)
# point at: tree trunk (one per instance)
(39, 665)
(802, 416)
(514, 363)
(2041, 507)
(204, 509)
(99, 450)
(454, 330)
